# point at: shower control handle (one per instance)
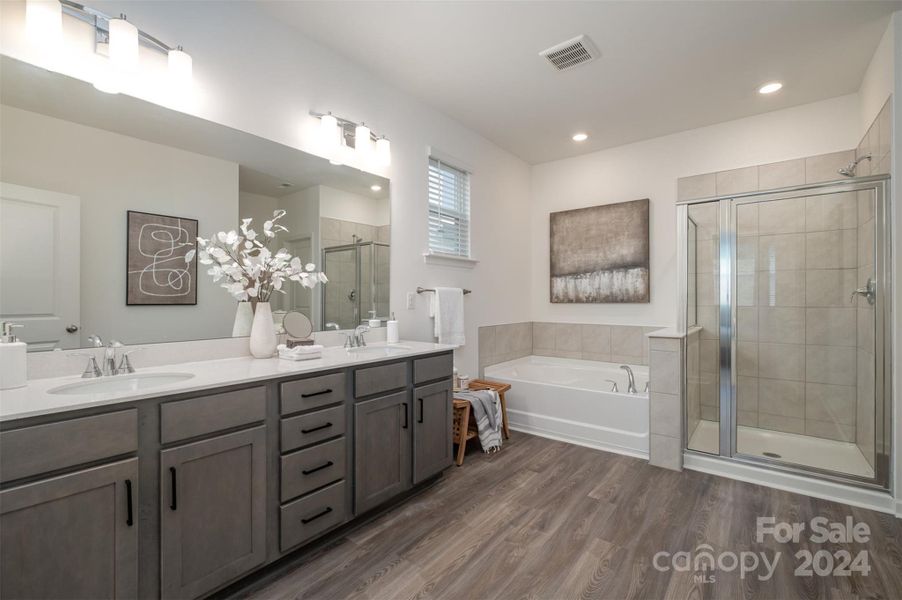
(869, 292)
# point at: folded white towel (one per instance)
(447, 307)
(300, 352)
(311, 349)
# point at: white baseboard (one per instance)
(578, 441)
(827, 490)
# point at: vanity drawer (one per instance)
(309, 469)
(314, 392)
(433, 367)
(305, 518)
(199, 416)
(384, 378)
(43, 448)
(304, 430)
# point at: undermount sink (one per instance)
(121, 383)
(379, 350)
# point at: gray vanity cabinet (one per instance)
(382, 436)
(72, 536)
(433, 420)
(213, 511)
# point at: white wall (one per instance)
(112, 174)
(650, 169)
(257, 75)
(877, 83)
(257, 207)
(345, 206)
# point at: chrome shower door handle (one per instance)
(869, 292)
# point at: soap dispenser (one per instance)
(391, 335)
(12, 358)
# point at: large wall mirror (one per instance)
(102, 196)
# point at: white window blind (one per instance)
(449, 209)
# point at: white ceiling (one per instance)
(665, 66)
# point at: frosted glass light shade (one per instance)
(362, 141)
(106, 79)
(328, 130)
(180, 67)
(383, 152)
(44, 21)
(123, 45)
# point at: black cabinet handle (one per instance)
(319, 393)
(319, 468)
(420, 419)
(326, 426)
(405, 416)
(173, 501)
(129, 518)
(317, 515)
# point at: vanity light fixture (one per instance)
(120, 38)
(376, 187)
(341, 139)
(770, 88)
(580, 137)
(44, 22)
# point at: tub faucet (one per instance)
(631, 388)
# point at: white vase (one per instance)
(244, 317)
(263, 332)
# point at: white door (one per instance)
(40, 249)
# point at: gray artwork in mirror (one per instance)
(76, 162)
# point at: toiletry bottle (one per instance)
(12, 358)
(374, 322)
(391, 335)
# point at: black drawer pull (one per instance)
(317, 515)
(319, 468)
(173, 501)
(404, 426)
(319, 393)
(420, 419)
(326, 426)
(129, 518)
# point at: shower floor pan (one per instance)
(804, 450)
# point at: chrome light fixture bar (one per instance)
(337, 132)
(101, 23)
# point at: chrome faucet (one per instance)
(631, 387)
(109, 358)
(356, 340)
(332, 325)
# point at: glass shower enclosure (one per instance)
(785, 301)
(358, 287)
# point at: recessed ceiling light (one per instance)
(770, 88)
(376, 187)
(285, 185)
(580, 137)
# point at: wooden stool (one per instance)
(461, 427)
(484, 384)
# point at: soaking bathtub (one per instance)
(571, 400)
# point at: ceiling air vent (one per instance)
(571, 53)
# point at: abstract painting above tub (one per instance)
(600, 254)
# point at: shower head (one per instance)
(849, 170)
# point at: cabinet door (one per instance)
(432, 443)
(72, 536)
(382, 428)
(213, 503)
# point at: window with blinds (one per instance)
(449, 209)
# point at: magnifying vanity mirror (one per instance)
(104, 196)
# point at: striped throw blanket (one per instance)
(487, 410)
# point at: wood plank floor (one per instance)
(547, 520)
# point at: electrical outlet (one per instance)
(411, 300)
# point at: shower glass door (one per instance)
(796, 349)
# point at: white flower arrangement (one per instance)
(247, 267)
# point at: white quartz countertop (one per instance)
(36, 399)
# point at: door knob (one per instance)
(72, 328)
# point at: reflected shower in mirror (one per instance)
(98, 193)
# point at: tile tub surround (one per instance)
(666, 359)
(626, 344)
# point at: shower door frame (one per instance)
(356, 246)
(727, 315)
